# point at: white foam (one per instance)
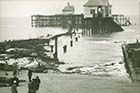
(110, 68)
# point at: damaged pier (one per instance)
(97, 19)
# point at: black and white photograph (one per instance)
(69, 46)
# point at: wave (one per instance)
(106, 69)
(109, 42)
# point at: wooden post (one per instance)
(56, 50)
(65, 48)
(76, 39)
(51, 48)
(71, 43)
(32, 21)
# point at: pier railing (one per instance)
(121, 20)
(57, 20)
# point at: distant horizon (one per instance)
(26, 8)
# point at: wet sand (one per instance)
(74, 83)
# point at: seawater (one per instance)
(89, 51)
(20, 28)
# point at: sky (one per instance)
(26, 8)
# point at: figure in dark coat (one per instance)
(29, 75)
(14, 82)
(37, 81)
(32, 86)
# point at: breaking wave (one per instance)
(106, 69)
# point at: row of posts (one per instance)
(71, 45)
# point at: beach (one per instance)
(75, 83)
(96, 62)
(73, 46)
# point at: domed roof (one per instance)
(97, 3)
(68, 8)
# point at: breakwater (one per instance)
(131, 54)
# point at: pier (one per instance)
(68, 52)
(97, 19)
(122, 20)
(100, 25)
(90, 26)
(57, 20)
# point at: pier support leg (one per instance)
(51, 48)
(76, 39)
(65, 48)
(56, 50)
(71, 43)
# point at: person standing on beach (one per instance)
(29, 75)
(32, 86)
(37, 81)
(14, 82)
(15, 71)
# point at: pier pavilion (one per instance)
(98, 18)
(97, 8)
(69, 9)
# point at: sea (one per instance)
(89, 55)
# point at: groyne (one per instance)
(131, 54)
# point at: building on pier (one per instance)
(97, 8)
(98, 18)
(69, 9)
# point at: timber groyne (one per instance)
(131, 54)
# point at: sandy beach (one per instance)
(76, 83)
(74, 46)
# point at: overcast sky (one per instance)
(25, 8)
